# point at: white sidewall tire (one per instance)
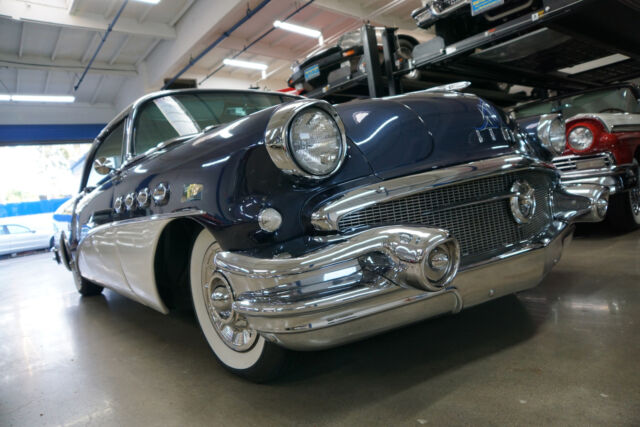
(229, 357)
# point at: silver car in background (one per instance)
(16, 238)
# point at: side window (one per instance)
(111, 149)
(17, 229)
(161, 120)
(3, 230)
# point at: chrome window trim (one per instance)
(276, 137)
(327, 216)
(156, 217)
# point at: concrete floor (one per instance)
(567, 352)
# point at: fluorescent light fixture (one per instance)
(43, 98)
(309, 32)
(245, 64)
(148, 1)
(5, 97)
(596, 63)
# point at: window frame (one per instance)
(19, 226)
(137, 107)
(106, 132)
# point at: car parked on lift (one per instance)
(289, 223)
(16, 238)
(344, 60)
(455, 20)
(602, 144)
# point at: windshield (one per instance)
(618, 100)
(169, 117)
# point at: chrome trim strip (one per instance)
(327, 217)
(570, 162)
(156, 217)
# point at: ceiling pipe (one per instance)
(249, 15)
(104, 38)
(266, 33)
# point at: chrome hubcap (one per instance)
(232, 328)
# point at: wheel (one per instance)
(85, 287)
(237, 346)
(624, 210)
(405, 47)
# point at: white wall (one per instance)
(15, 113)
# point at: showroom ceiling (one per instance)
(46, 44)
(46, 50)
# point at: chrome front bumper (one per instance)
(345, 300)
(365, 283)
(617, 179)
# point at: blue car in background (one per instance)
(291, 223)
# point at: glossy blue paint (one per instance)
(415, 132)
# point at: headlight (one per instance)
(551, 132)
(306, 138)
(580, 138)
(315, 142)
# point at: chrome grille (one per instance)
(593, 161)
(482, 226)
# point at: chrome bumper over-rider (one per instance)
(374, 278)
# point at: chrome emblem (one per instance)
(523, 201)
(192, 192)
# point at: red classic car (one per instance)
(602, 144)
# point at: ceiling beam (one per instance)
(147, 52)
(118, 51)
(111, 7)
(72, 6)
(23, 30)
(97, 90)
(181, 12)
(364, 13)
(57, 45)
(57, 16)
(46, 82)
(90, 48)
(73, 66)
(145, 14)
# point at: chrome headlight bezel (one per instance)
(277, 137)
(554, 143)
(586, 132)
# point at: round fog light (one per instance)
(438, 263)
(439, 259)
(269, 219)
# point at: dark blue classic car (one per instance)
(290, 223)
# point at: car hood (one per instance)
(416, 132)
